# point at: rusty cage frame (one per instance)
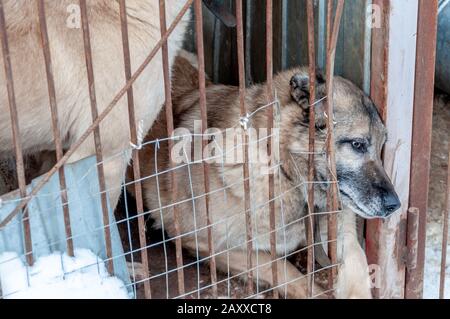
(380, 47)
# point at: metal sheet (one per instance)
(443, 47)
(47, 220)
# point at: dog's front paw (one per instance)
(137, 271)
(353, 281)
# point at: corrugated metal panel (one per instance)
(443, 47)
(49, 235)
(290, 41)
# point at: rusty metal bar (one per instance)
(412, 243)
(311, 149)
(170, 129)
(248, 42)
(55, 125)
(242, 93)
(97, 137)
(135, 152)
(329, 22)
(421, 138)
(16, 135)
(331, 157)
(445, 235)
(99, 119)
(270, 97)
(378, 93)
(204, 115)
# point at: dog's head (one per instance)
(359, 139)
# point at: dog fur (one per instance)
(69, 69)
(363, 182)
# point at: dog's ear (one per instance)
(300, 94)
(300, 90)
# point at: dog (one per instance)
(69, 70)
(365, 188)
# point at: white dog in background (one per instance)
(69, 69)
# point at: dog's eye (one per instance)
(359, 146)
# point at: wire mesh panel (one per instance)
(223, 187)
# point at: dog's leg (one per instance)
(353, 279)
(115, 169)
(290, 279)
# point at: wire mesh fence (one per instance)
(227, 213)
(201, 238)
(212, 196)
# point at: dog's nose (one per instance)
(391, 203)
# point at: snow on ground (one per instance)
(59, 277)
(433, 263)
(436, 203)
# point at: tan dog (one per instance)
(364, 185)
(69, 68)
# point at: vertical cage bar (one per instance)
(270, 97)
(421, 136)
(170, 129)
(242, 93)
(329, 19)
(311, 150)
(135, 152)
(16, 133)
(248, 42)
(97, 137)
(331, 158)
(204, 115)
(445, 235)
(330, 221)
(378, 93)
(55, 125)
